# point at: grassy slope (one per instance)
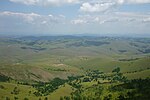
(14, 59)
(106, 65)
(24, 92)
(8, 88)
(136, 75)
(63, 91)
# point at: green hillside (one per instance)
(73, 67)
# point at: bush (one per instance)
(7, 98)
(117, 70)
(26, 99)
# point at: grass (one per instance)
(24, 91)
(60, 60)
(107, 64)
(136, 75)
(18, 62)
(64, 90)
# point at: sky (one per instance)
(129, 17)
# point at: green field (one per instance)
(39, 60)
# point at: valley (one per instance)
(74, 68)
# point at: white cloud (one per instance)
(34, 18)
(116, 17)
(27, 2)
(115, 22)
(103, 5)
(97, 7)
(107, 22)
(99, 19)
(45, 2)
(30, 17)
(146, 20)
(78, 21)
(90, 6)
(44, 22)
(8, 13)
(133, 1)
(120, 1)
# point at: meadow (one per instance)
(74, 68)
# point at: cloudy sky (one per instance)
(75, 16)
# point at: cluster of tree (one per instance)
(2, 87)
(117, 70)
(15, 91)
(132, 59)
(137, 89)
(94, 93)
(138, 70)
(48, 87)
(71, 78)
(118, 76)
(65, 98)
(23, 83)
(79, 95)
(140, 89)
(4, 78)
(75, 85)
(34, 48)
(87, 43)
(57, 69)
(94, 74)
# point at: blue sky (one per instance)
(75, 17)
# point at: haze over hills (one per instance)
(63, 52)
